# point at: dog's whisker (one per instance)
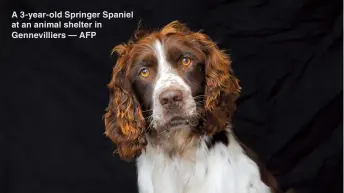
(148, 110)
(199, 96)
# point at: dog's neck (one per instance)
(207, 165)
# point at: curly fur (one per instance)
(124, 122)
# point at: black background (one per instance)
(287, 54)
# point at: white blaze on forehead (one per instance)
(164, 68)
(160, 54)
(167, 77)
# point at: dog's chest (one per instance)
(222, 169)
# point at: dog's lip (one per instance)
(177, 120)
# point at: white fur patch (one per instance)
(168, 77)
(222, 169)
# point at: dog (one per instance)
(172, 97)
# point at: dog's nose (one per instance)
(169, 97)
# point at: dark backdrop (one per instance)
(287, 54)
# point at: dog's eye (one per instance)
(144, 72)
(186, 61)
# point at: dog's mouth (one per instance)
(177, 121)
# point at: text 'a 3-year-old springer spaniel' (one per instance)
(172, 96)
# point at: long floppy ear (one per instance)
(124, 121)
(222, 87)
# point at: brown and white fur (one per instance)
(172, 96)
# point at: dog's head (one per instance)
(172, 82)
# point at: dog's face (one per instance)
(168, 79)
(168, 86)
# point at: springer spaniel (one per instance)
(172, 96)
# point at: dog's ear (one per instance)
(124, 121)
(222, 87)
